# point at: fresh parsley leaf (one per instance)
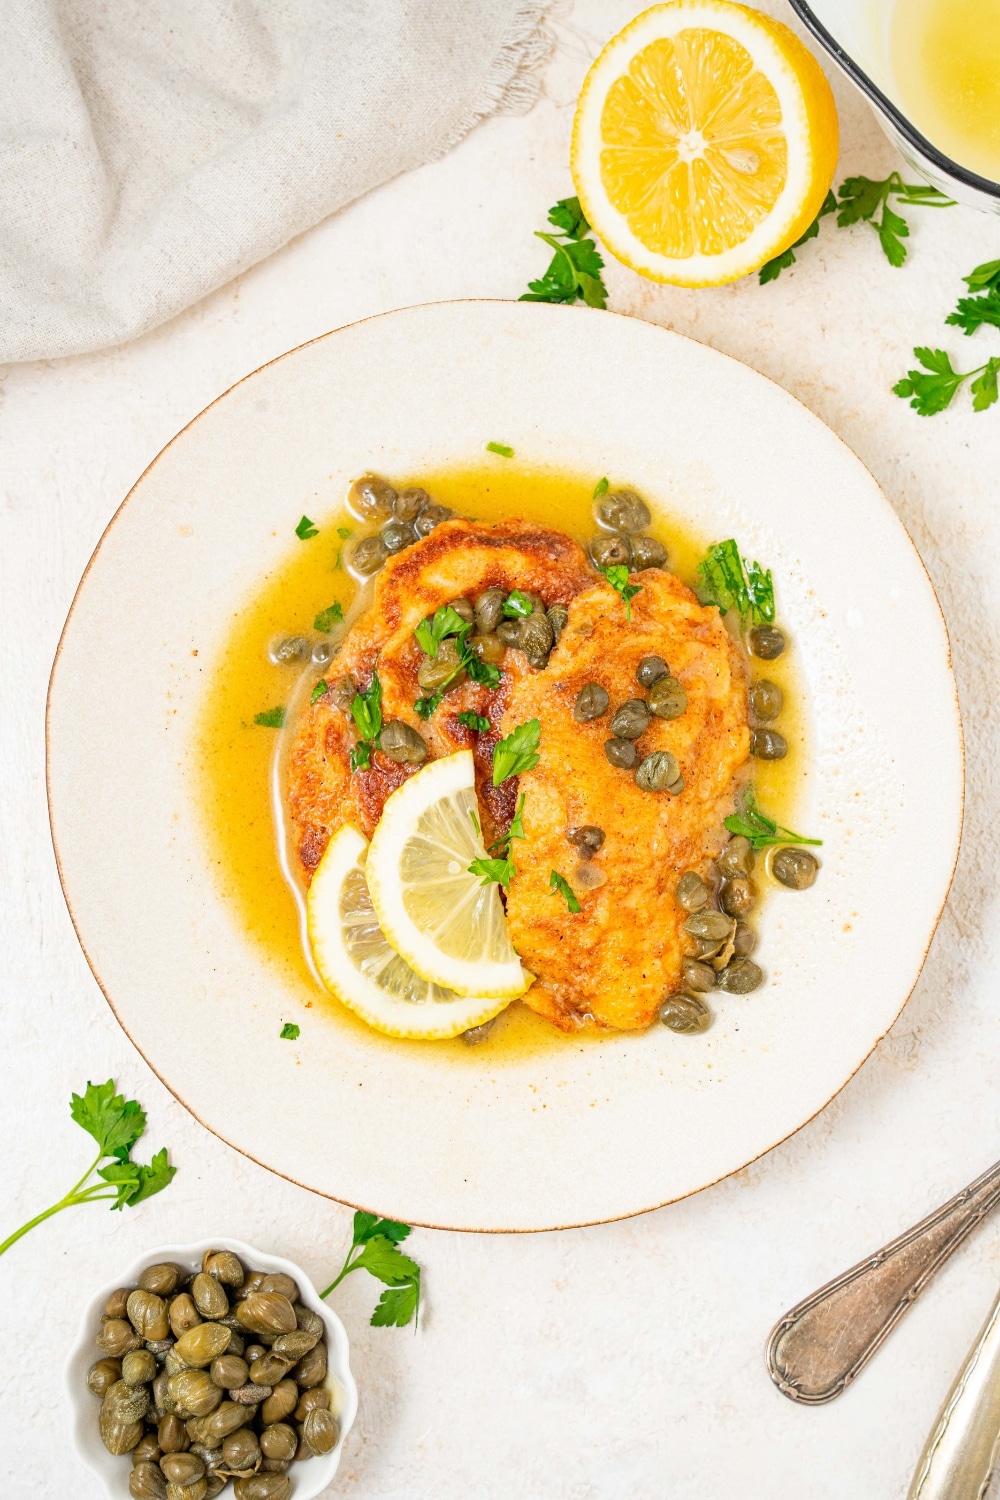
(516, 830)
(503, 449)
(367, 1226)
(729, 582)
(344, 532)
(431, 632)
(113, 1121)
(318, 691)
(518, 752)
(289, 1032)
(500, 870)
(575, 268)
(517, 606)
(985, 278)
(375, 1249)
(617, 576)
(863, 197)
(271, 718)
(327, 618)
(135, 1182)
(601, 488)
(475, 822)
(564, 889)
(361, 756)
(772, 269)
(396, 1306)
(932, 389)
(425, 707)
(762, 831)
(305, 529)
(478, 722)
(366, 710)
(984, 387)
(484, 672)
(972, 312)
(569, 219)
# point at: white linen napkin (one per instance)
(150, 150)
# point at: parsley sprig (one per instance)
(518, 752)
(499, 865)
(933, 388)
(430, 633)
(972, 312)
(562, 886)
(773, 268)
(575, 268)
(375, 1249)
(306, 529)
(617, 576)
(366, 711)
(761, 830)
(116, 1124)
(730, 582)
(271, 718)
(328, 618)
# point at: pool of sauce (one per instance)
(234, 755)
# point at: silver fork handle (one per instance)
(961, 1453)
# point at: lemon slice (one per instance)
(448, 925)
(704, 143)
(357, 965)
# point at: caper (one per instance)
(766, 700)
(659, 772)
(103, 1375)
(254, 1351)
(744, 940)
(431, 516)
(371, 498)
(320, 1430)
(667, 698)
(738, 896)
(229, 1371)
(692, 892)
(214, 1485)
(622, 510)
(126, 1403)
(621, 753)
(284, 651)
(714, 925)
(396, 535)
(488, 648)
(162, 1400)
(647, 552)
(557, 615)
(342, 693)
(225, 1419)
(171, 1434)
(138, 1367)
(536, 638)
(194, 1392)
(650, 670)
(275, 1465)
(146, 1482)
(463, 608)
(309, 1321)
(303, 1451)
(182, 1468)
(253, 1394)
(281, 1402)
(196, 1489)
(697, 976)
(509, 632)
(685, 1014)
(588, 838)
(591, 702)
(117, 1337)
(263, 1487)
(401, 742)
(767, 642)
(118, 1436)
(146, 1450)
(489, 610)
(611, 551)
(241, 1450)
(148, 1314)
(175, 1362)
(796, 868)
(209, 1298)
(318, 1399)
(199, 1346)
(369, 555)
(737, 858)
(409, 503)
(117, 1303)
(293, 1345)
(740, 976)
(278, 1441)
(159, 1347)
(631, 720)
(269, 1370)
(237, 1342)
(768, 744)
(224, 1266)
(445, 668)
(161, 1279)
(182, 1314)
(476, 1034)
(311, 1368)
(253, 1279)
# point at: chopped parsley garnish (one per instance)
(558, 883)
(289, 1032)
(318, 691)
(344, 532)
(730, 582)
(328, 618)
(361, 756)
(366, 711)
(377, 1241)
(432, 631)
(475, 822)
(617, 576)
(478, 722)
(485, 672)
(503, 449)
(271, 718)
(773, 268)
(517, 606)
(499, 865)
(518, 752)
(601, 488)
(575, 268)
(305, 529)
(932, 389)
(762, 831)
(972, 312)
(425, 707)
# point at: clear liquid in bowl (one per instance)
(946, 62)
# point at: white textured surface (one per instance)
(610, 1362)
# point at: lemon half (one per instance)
(357, 964)
(705, 142)
(448, 925)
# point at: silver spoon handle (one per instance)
(961, 1453)
(820, 1345)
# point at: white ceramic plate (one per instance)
(580, 1133)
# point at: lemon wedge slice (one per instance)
(358, 966)
(704, 143)
(446, 924)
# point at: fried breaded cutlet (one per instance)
(612, 963)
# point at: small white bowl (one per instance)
(308, 1479)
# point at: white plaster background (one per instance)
(619, 1361)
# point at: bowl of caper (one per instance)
(207, 1369)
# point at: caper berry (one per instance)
(621, 753)
(444, 669)
(738, 897)
(737, 858)
(588, 838)
(631, 720)
(431, 516)
(659, 772)
(369, 555)
(611, 550)
(768, 744)
(667, 698)
(647, 552)
(396, 535)
(622, 510)
(489, 610)
(766, 700)
(509, 632)
(409, 503)
(650, 670)
(536, 638)
(740, 977)
(767, 642)
(796, 868)
(692, 892)
(591, 702)
(685, 1014)
(488, 648)
(558, 615)
(401, 743)
(283, 651)
(371, 498)
(744, 940)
